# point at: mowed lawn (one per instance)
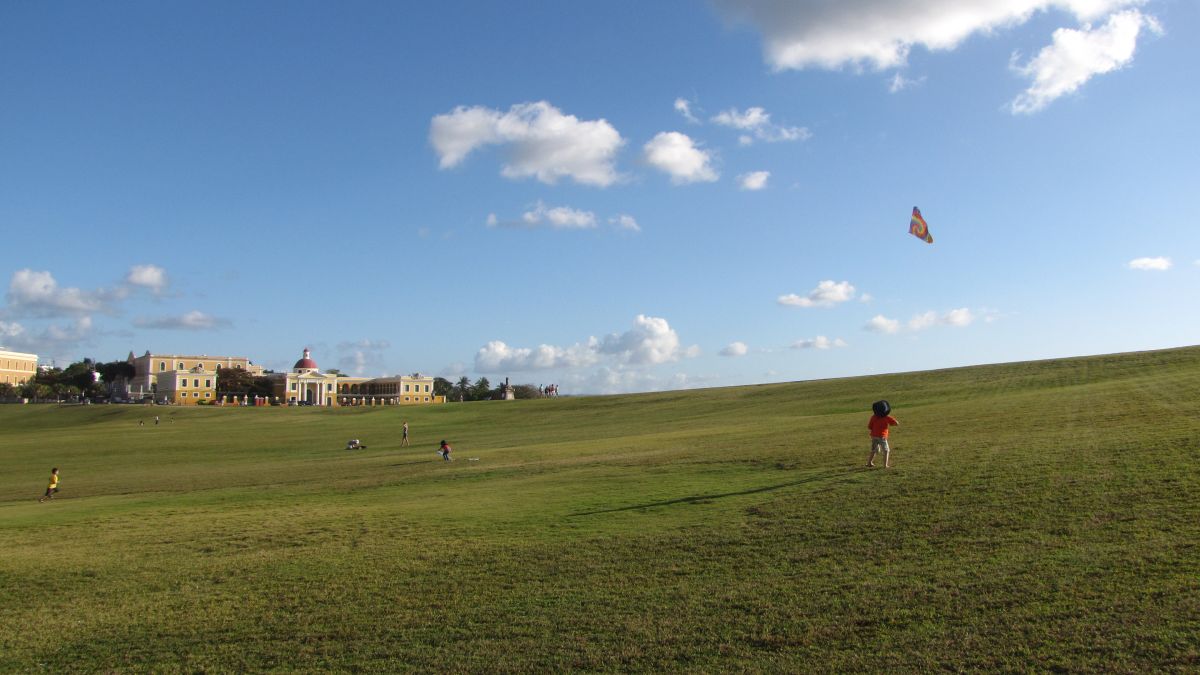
(1041, 516)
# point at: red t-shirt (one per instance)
(879, 425)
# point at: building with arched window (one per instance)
(307, 385)
(149, 368)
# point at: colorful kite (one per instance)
(919, 228)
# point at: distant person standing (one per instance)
(878, 426)
(444, 451)
(156, 420)
(52, 487)
(404, 437)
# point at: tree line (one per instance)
(92, 380)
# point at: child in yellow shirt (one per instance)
(52, 487)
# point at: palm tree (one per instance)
(462, 388)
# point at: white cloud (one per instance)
(540, 139)
(827, 294)
(10, 330)
(956, 317)
(496, 357)
(151, 277)
(880, 33)
(624, 221)
(899, 83)
(819, 342)
(362, 356)
(734, 349)
(559, 217)
(881, 324)
(54, 342)
(684, 107)
(866, 297)
(757, 121)
(1158, 264)
(651, 341)
(755, 180)
(678, 156)
(959, 318)
(38, 294)
(193, 320)
(1075, 56)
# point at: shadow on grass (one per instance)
(705, 498)
(419, 461)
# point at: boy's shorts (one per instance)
(879, 445)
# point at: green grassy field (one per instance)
(1041, 516)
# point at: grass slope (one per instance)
(1041, 516)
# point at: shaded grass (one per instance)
(1042, 516)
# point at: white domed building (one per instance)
(306, 384)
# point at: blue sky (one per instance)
(617, 196)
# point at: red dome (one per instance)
(305, 363)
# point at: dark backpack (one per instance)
(881, 408)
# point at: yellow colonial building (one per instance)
(150, 369)
(396, 390)
(186, 387)
(307, 385)
(17, 367)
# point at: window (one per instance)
(195, 383)
(238, 366)
(406, 390)
(426, 390)
(162, 365)
(195, 394)
(181, 366)
(208, 394)
(293, 387)
(328, 387)
(208, 384)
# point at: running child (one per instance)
(444, 451)
(52, 487)
(878, 426)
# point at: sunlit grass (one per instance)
(1040, 516)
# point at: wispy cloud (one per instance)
(827, 294)
(960, 318)
(753, 181)
(362, 357)
(819, 342)
(193, 320)
(1159, 264)
(684, 107)
(734, 349)
(624, 221)
(150, 277)
(757, 124)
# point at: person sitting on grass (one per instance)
(52, 487)
(878, 426)
(444, 451)
(354, 444)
